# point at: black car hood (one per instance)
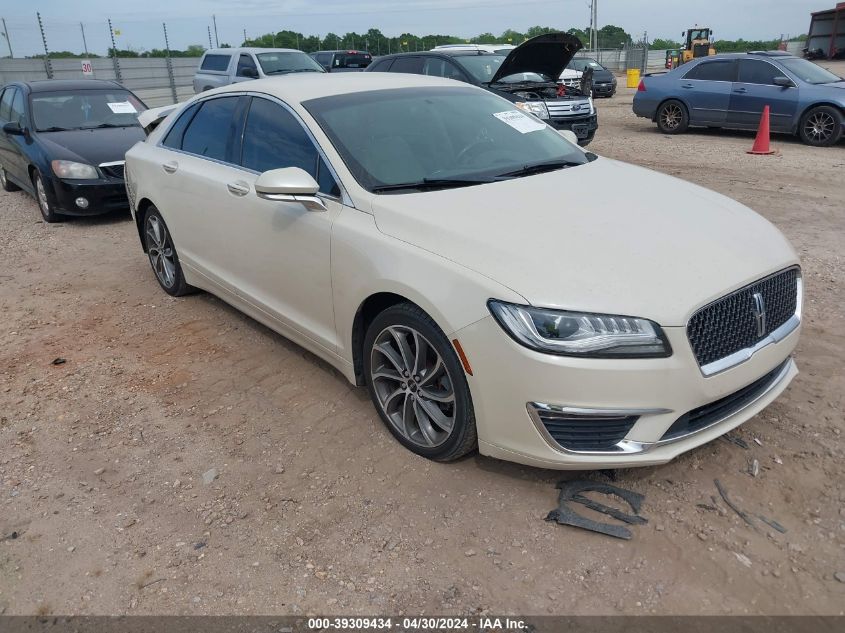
(102, 145)
(545, 54)
(602, 76)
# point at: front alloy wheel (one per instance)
(44, 204)
(821, 126)
(162, 254)
(417, 384)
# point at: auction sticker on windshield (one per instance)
(519, 121)
(122, 107)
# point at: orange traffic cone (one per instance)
(761, 141)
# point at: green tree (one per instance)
(512, 37)
(534, 31)
(660, 44)
(612, 36)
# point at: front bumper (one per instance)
(584, 127)
(604, 90)
(104, 195)
(508, 379)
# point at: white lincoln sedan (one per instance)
(490, 283)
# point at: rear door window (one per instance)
(713, 71)
(411, 65)
(209, 133)
(753, 71)
(217, 63)
(175, 133)
(381, 66)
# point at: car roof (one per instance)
(249, 49)
(778, 54)
(298, 88)
(49, 85)
(444, 52)
(345, 50)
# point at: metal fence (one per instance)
(155, 81)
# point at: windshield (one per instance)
(809, 72)
(457, 133)
(483, 67)
(81, 109)
(583, 64)
(287, 62)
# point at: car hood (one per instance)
(91, 146)
(650, 246)
(545, 54)
(602, 76)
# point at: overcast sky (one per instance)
(187, 20)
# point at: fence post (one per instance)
(169, 64)
(47, 65)
(116, 63)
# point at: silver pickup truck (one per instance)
(224, 66)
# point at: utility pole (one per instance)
(84, 43)
(169, 64)
(47, 66)
(595, 21)
(114, 54)
(210, 45)
(244, 37)
(216, 40)
(8, 41)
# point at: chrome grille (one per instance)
(567, 108)
(113, 170)
(732, 324)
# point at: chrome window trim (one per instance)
(775, 336)
(344, 198)
(112, 163)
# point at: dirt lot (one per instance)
(316, 509)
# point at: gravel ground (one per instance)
(309, 506)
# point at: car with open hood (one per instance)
(63, 142)
(527, 76)
(438, 264)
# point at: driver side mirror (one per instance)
(783, 82)
(14, 128)
(252, 73)
(290, 184)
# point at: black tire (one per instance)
(162, 254)
(42, 197)
(672, 117)
(821, 126)
(5, 183)
(433, 379)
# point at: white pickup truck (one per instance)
(223, 66)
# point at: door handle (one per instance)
(741, 90)
(239, 188)
(687, 86)
(170, 167)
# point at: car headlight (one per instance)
(77, 171)
(537, 108)
(580, 333)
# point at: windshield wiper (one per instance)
(538, 168)
(54, 128)
(102, 125)
(433, 183)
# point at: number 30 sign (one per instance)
(87, 70)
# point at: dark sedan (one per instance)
(64, 142)
(732, 90)
(604, 81)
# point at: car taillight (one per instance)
(641, 87)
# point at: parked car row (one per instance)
(442, 245)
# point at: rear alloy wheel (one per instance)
(672, 118)
(163, 257)
(821, 126)
(417, 384)
(43, 200)
(6, 183)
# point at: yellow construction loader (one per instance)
(697, 43)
